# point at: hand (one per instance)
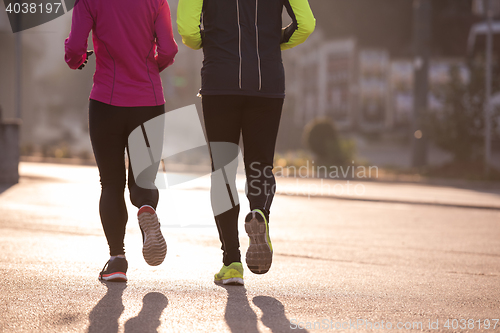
(89, 53)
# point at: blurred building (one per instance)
(361, 72)
(363, 89)
(387, 24)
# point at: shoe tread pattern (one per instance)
(259, 255)
(154, 248)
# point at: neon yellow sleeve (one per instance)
(188, 22)
(303, 19)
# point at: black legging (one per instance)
(257, 119)
(109, 128)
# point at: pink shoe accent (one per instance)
(146, 209)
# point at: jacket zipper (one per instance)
(257, 42)
(239, 41)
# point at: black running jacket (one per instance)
(242, 42)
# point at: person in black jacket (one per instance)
(243, 87)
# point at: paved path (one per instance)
(370, 258)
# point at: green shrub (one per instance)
(323, 139)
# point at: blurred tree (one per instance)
(459, 127)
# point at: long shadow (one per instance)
(5, 187)
(239, 315)
(274, 314)
(148, 320)
(104, 316)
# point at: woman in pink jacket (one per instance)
(133, 43)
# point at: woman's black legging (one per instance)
(109, 128)
(257, 120)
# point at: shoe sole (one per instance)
(154, 248)
(259, 255)
(114, 277)
(231, 281)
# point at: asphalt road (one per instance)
(398, 255)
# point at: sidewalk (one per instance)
(466, 195)
(452, 193)
(337, 261)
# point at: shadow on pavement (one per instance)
(148, 320)
(104, 316)
(241, 318)
(273, 314)
(5, 187)
(239, 315)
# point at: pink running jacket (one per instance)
(133, 43)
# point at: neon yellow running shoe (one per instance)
(232, 274)
(260, 250)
